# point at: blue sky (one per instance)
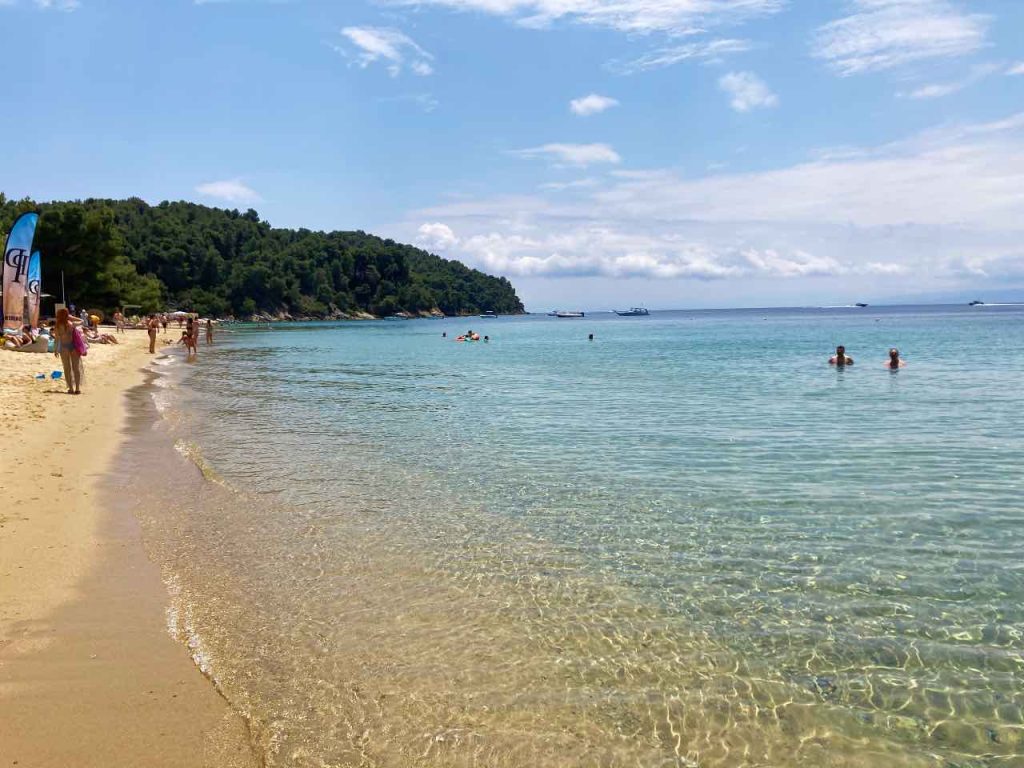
(599, 153)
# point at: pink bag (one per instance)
(79, 342)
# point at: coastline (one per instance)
(89, 675)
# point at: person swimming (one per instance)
(894, 360)
(840, 358)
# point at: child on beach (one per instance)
(189, 341)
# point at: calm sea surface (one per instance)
(688, 542)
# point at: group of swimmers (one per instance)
(841, 359)
(469, 335)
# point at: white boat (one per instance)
(565, 313)
(488, 314)
(631, 312)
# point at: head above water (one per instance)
(894, 353)
(840, 350)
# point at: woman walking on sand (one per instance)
(68, 349)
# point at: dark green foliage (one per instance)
(221, 262)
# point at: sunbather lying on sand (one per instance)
(19, 339)
(100, 338)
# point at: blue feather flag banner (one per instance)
(35, 287)
(16, 258)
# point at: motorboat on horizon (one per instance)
(566, 313)
(632, 312)
(488, 314)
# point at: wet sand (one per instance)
(88, 673)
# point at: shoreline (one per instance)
(89, 675)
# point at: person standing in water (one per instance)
(894, 362)
(840, 358)
(152, 324)
(65, 348)
(209, 332)
(192, 335)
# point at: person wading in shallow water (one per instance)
(66, 349)
(209, 332)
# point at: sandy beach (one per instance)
(88, 673)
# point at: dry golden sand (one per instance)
(88, 674)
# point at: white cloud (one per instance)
(938, 90)
(592, 105)
(882, 34)
(392, 47)
(673, 16)
(942, 207)
(747, 91)
(1016, 69)
(706, 50)
(575, 184)
(436, 237)
(232, 190)
(573, 154)
(935, 90)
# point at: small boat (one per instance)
(488, 314)
(631, 312)
(975, 303)
(565, 313)
(860, 304)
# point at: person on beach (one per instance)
(19, 339)
(840, 358)
(151, 327)
(209, 332)
(119, 322)
(189, 341)
(192, 332)
(101, 338)
(894, 360)
(163, 322)
(67, 350)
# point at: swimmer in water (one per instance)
(894, 360)
(840, 358)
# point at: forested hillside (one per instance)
(224, 262)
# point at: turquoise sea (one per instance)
(687, 542)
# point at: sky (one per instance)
(598, 153)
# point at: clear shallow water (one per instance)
(688, 542)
